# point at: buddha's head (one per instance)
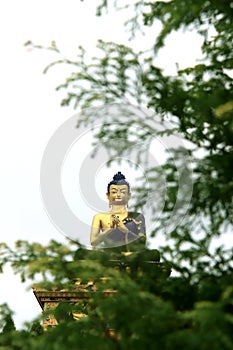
(118, 190)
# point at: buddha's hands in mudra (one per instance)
(116, 222)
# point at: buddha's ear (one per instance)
(107, 195)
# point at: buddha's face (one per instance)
(118, 195)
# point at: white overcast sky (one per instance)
(30, 111)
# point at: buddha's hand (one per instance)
(117, 223)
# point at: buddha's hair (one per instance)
(118, 179)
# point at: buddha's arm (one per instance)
(96, 235)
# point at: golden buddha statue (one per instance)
(118, 227)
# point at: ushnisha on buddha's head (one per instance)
(118, 190)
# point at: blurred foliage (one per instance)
(144, 308)
(150, 311)
(6, 322)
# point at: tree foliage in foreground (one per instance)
(148, 311)
(193, 310)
